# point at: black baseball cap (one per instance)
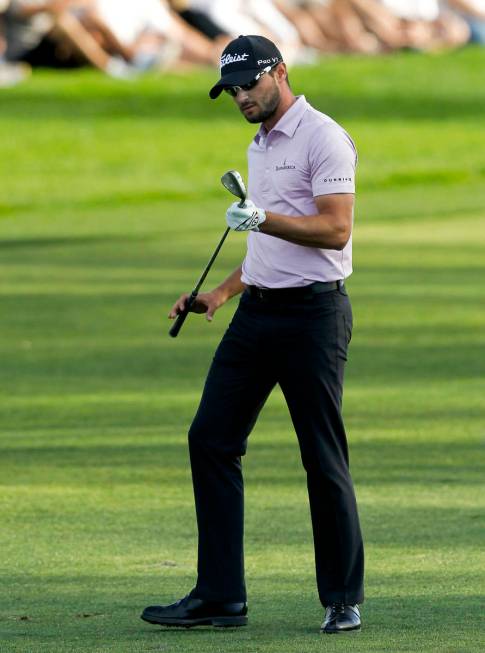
(242, 59)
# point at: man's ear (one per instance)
(281, 71)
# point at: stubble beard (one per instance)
(267, 107)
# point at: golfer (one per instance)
(292, 328)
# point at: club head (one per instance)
(234, 183)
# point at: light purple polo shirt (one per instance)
(306, 154)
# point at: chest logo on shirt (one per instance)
(287, 165)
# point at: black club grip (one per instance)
(181, 317)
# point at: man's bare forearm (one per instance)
(329, 228)
(309, 231)
(231, 286)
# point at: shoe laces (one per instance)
(338, 607)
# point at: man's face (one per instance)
(261, 102)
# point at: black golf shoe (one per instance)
(340, 618)
(190, 611)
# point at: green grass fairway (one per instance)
(110, 205)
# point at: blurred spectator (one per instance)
(427, 25)
(237, 17)
(473, 12)
(416, 24)
(309, 31)
(339, 26)
(201, 21)
(151, 34)
(381, 22)
(47, 33)
(10, 73)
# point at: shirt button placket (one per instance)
(267, 170)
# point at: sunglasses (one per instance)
(234, 90)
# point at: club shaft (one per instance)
(193, 295)
(211, 261)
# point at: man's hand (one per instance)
(247, 218)
(206, 302)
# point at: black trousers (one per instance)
(302, 346)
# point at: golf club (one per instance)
(234, 183)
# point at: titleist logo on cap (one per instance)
(232, 58)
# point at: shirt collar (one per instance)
(288, 122)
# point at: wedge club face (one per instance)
(234, 183)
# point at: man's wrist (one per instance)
(222, 294)
(225, 292)
(264, 225)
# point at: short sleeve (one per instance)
(333, 161)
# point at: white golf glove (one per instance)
(247, 218)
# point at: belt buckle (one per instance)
(260, 294)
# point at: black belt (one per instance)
(294, 294)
